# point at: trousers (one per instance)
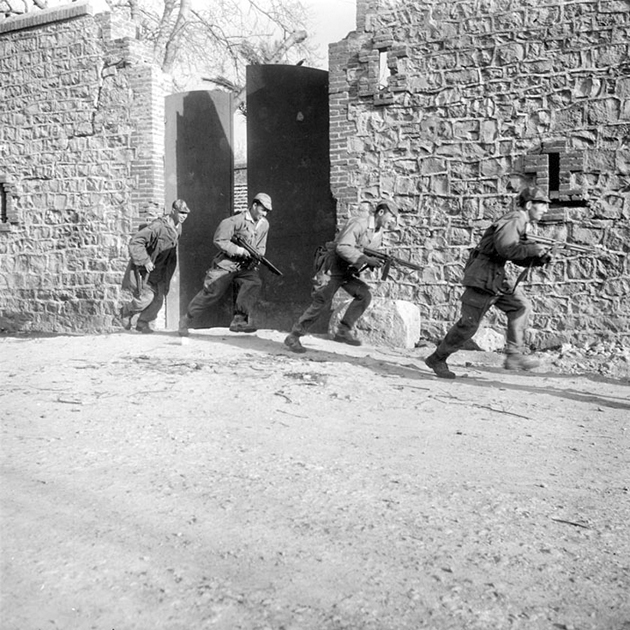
(218, 281)
(324, 289)
(147, 302)
(475, 305)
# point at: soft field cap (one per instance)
(264, 200)
(180, 206)
(532, 193)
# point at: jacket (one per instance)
(243, 225)
(156, 242)
(345, 254)
(504, 240)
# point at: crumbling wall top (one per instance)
(55, 14)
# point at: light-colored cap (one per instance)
(180, 206)
(388, 207)
(264, 200)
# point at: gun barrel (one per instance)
(139, 280)
(375, 253)
(388, 258)
(258, 257)
(406, 263)
(572, 247)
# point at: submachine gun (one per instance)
(388, 260)
(557, 246)
(257, 256)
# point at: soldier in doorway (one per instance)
(153, 251)
(234, 265)
(486, 283)
(339, 267)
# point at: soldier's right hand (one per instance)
(242, 253)
(372, 262)
(542, 250)
(541, 260)
(149, 266)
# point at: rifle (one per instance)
(140, 281)
(570, 247)
(259, 258)
(388, 260)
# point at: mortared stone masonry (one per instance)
(449, 107)
(445, 107)
(81, 153)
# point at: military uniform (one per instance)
(156, 243)
(228, 267)
(487, 285)
(339, 268)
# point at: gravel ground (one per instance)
(228, 483)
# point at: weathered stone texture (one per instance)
(481, 98)
(392, 323)
(81, 141)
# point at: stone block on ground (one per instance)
(392, 323)
(489, 340)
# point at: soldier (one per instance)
(339, 267)
(233, 264)
(153, 252)
(486, 284)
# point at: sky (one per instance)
(332, 21)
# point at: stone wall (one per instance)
(449, 107)
(81, 154)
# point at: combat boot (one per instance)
(439, 366)
(343, 335)
(125, 317)
(520, 362)
(240, 324)
(144, 328)
(292, 342)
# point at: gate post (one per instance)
(288, 158)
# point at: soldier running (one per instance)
(486, 284)
(233, 264)
(339, 267)
(153, 251)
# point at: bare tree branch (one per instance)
(165, 30)
(172, 44)
(217, 38)
(220, 36)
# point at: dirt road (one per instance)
(230, 484)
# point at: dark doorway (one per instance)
(288, 158)
(199, 168)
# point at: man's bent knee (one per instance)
(364, 295)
